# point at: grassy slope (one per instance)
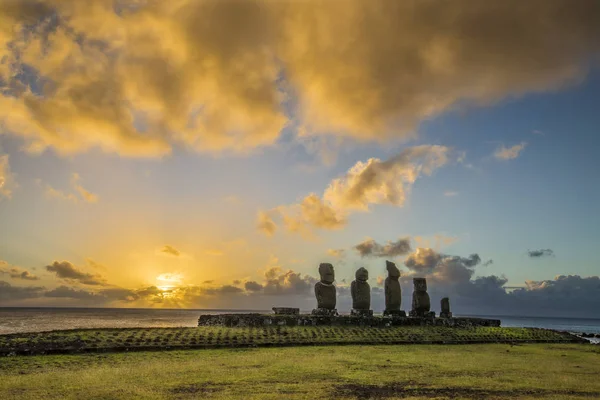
(548, 371)
(207, 337)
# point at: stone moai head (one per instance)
(420, 284)
(362, 274)
(326, 272)
(393, 271)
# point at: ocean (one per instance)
(15, 320)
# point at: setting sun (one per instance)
(167, 282)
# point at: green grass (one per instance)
(100, 340)
(479, 371)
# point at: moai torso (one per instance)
(420, 300)
(325, 289)
(393, 293)
(445, 308)
(361, 291)
(325, 294)
(445, 305)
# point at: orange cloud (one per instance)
(218, 75)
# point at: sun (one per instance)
(169, 281)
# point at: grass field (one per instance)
(479, 371)
(101, 340)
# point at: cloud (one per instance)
(540, 253)
(280, 282)
(84, 194)
(447, 275)
(449, 193)
(139, 80)
(423, 259)
(16, 272)
(365, 184)
(510, 153)
(66, 270)
(337, 253)
(68, 292)
(252, 286)
(265, 223)
(233, 200)
(370, 248)
(93, 264)
(7, 179)
(170, 250)
(563, 295)
(11, 293)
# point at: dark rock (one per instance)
(361, 291)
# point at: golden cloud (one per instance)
(138, 77)
(365, 184)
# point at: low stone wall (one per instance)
(233, 320)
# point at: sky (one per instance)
(205, 154)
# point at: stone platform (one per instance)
(233, 320)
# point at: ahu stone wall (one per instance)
(233, 320)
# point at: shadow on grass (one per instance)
(412, 389)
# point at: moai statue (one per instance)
(361, 294)
(445, 306)
(420, 300)
(393, 293)
(325, 291)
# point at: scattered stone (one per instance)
(361, 292)
(325, 312)
(393, 293)
(421, 304)
(361, 313)
(394, 313)
(325, 289)
(286, 311)
(445, 307)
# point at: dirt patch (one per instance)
(405, 390)
(195, 389)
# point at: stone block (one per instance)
(361, 313)
(286, 311)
